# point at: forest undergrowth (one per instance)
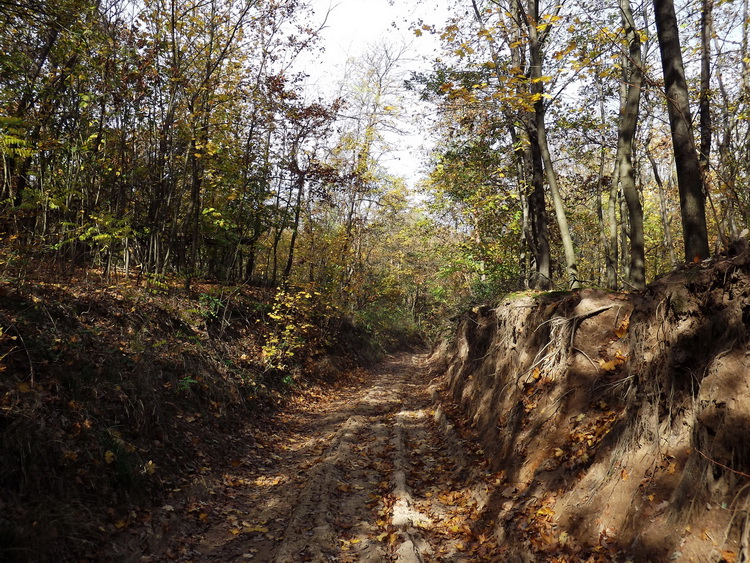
(112, 393)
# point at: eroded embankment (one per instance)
(621, 422)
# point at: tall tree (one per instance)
(527, 152)
(536, 40)
(689, 177)
(633, 76)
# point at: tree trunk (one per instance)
(626, 133)
(300, 185)
(663, 210)
(600, 182)
(690, 182)
(529, 164)
(537, 89)
(538, 212)
(705, 91)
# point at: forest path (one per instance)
(369, 472)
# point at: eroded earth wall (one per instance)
(619, 422)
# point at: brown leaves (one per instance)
(613, 363)
(622, 328)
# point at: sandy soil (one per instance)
(369, 472)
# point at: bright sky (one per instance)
(354, 25)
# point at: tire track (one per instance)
(377, 476)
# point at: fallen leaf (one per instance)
(614, 363)
(622, 329)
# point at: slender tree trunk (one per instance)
(600, 182)
(624, 237)
(538, 211)
(537, 88)
(300, 185)
(705, 91)
(613, 254)
(626, 135)
(663, 209)
(689, 179)
(529, 164)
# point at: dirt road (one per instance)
(372, 473)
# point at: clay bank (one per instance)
(618, 422)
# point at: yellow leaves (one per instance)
(542, 79)
(569, 48)
(622, 328)
(347, 544)
(109, 456)
(266, 481)
(419, 30)
(449, 33)
(614, 363)
(545, 512)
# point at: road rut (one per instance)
(373, 473)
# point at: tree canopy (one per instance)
(177, 138)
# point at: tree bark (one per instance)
(689, 179)
(537, 89)
(539, 228)
(529, 164)
(626, 134)
(704, 102)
